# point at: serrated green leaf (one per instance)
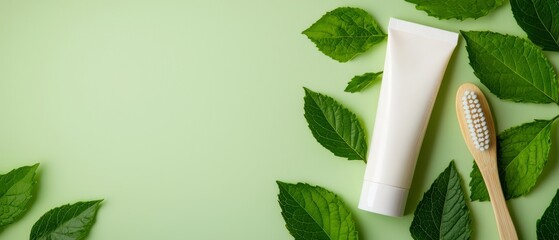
(312, 212)
(68, 222)
(16, 190)
(522, 153)
(361, 82)
(334, 126)
(540, 20)
(548, 225)
(344, 33)
(443, 213)
(459, 9)
(511, 67)
(478, 190)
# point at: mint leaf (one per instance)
(443, 213)
(511, 67)
(335, 127)
(312, 212)
(522, 153)
(540, 20)
(344, 33)
(361, 82)
(16, 190)
(66, 222)
(478, 190)
(459, 9)
(548, 225)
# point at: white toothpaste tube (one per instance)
(415, 63)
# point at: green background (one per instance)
(183, 114)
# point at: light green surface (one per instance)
(182, 114)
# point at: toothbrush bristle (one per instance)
(475, 118)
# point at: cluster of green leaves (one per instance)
(341, 34)
(72, 222)
(514, 69)
(344, 33)
(312, 212)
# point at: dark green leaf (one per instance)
(459, 9)
(16, 190)
(443, 213)
(361, 82)
(478, 190)
(344, 33)
(540, 20)
(548, 225)
(69, 222)
(522, 153)
(511, 67)
(312, 212)
(335, 127)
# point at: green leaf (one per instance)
(361, 82)
(540, 20)
(443, 213)
(459, 9)
(548, 225)
(16, 190)
(335, 127)
(511, 67)
(522, 153)
(344, 33)
(312, 212)
(478, 190)
(69, 222)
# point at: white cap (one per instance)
(383, 199)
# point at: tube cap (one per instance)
(383, 199)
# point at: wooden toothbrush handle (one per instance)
(502, 215)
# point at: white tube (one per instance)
(416, 59)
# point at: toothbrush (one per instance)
(478, 130)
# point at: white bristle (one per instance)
(475, 119)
